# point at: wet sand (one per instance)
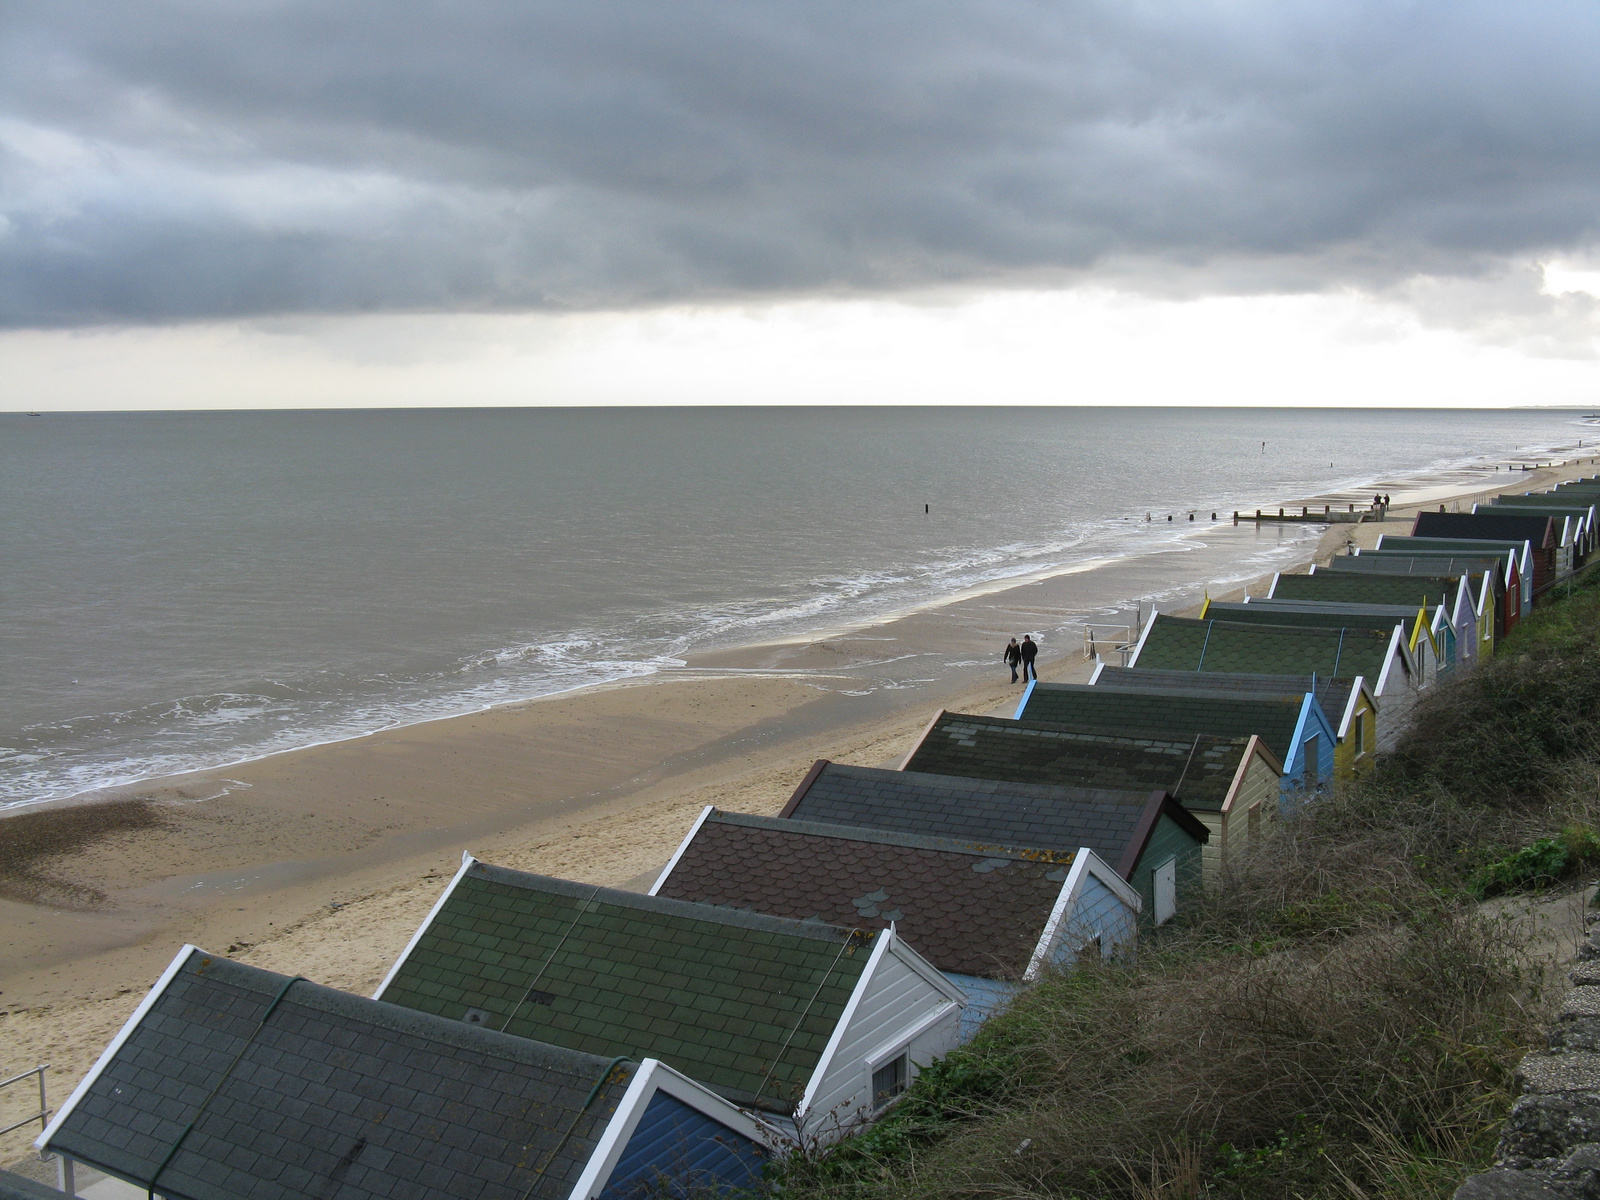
(321, 862)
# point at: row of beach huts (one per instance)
(785, 978)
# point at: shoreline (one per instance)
(321, 860)
(1434, 479)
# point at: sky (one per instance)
(242, 203)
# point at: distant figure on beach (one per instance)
(1386, 499)
(1029, 652)
(1013, 657)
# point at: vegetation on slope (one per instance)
(1340, 1020)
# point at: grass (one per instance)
(1339, 1020)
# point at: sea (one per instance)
(182, 590)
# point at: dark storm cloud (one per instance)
(174, 160)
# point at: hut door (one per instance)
(1166, 880)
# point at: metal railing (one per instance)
(1107, 639)
(43, 1115)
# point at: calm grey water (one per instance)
(182, 590)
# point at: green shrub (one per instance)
(1546, 861)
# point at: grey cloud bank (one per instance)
(177, 161)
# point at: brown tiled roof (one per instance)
(964, 906)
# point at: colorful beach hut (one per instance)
(1504, 594)
(1541, 533)
(1229, 794)
(1455, 597)
(1380, 656)
(1426, 634)
(1294, 728)
(1346, 700)
(798, 1020)
(990, 917)
(234, 1083)
(1158, 835)
(1518, 554)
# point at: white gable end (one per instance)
(901, 1005)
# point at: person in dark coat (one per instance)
(1013, 656)
(1029, 652)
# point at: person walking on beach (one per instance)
(1013, 656)
(1029, 652)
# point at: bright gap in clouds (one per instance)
(1082, 346)
(1561, 279)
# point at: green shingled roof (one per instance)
(1182, 644)
(1176, 713)
(743, 1003)
(1364, 589)
(1197, 769)
(1334, 616)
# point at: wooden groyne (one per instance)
(1328, 516)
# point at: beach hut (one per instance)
(1541, 533)
(1147, 835)
(1378, 655)
(1346, 700)
(234, 1083)
(990, 917)
(1503, 597)
(1228, 793)
(1456, 598)
(1578, 509)
(1426, 633)
(799, 1020)
(1294, 728)
(1519, 556)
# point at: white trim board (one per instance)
(466, 865)
(1138, 649)
(682, 846)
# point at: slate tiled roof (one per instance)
(1179, 713)
(329, 1093)
(1179, 643)
(1568, 505)
(1394, 564)
(1537, 530)
(1364, 589)
(1317, 614)
(744, 1004)
(1197, 769)
(1332, 693)
(19, 1187)
(982, 810)
(965, 906)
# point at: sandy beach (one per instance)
(320, 862)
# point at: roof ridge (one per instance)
(685, 909)
(393, 1017)
(890, 837)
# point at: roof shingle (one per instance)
(1175, 712)
(330, 1092)
(1183, 644)
(966, 906)
(611, 972)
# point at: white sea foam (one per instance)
(606, 602)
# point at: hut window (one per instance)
(888, 1081)
(1361, 734)
(1313, 765)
